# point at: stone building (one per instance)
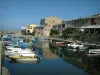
(49, 22)
(39, 31)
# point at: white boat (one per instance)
(79, 46)
(18, 53)
(75, 45)
(23, 56)
(95, 51)
(15, 48)
(13, 51)
(93, 55)
(25, 61)
(12, 47)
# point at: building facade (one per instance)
(82, 23)
(30, 28)
(39, 31)
(49, 22)
(23, 30)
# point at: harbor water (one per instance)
(55, 61)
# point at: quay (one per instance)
(3, 70)
(62, 40)
(90, 45)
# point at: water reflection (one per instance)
(46, 51)
(26, 40)
(90, 64)
(62, 57)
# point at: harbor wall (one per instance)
(3, 70)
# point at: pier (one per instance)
(62, 40)
(0, 57)
(3, 70)
(70, 40)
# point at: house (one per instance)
(30, 28)
(87, 24)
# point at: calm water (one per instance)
(56, 61)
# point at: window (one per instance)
(58, 26)
(77, 21)
(63, 25)
(82, 21)
(86, 21)
(66, 22)
(92, 21)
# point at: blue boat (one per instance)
(21, 44)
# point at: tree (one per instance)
(53, 32)
(77, 35)
(68, 32)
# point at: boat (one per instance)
(77, 46)
(23, 56)
(12, 51)
(33, 61)
(6, 40)
(94, 51)
(21, 44)
(74, 45)
(83, 48)
(15, 48)
(93, 55)
(59, 42)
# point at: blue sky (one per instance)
(17, 13)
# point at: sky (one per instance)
(17, 13)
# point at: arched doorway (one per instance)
(28, 31)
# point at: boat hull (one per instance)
(26, 59)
